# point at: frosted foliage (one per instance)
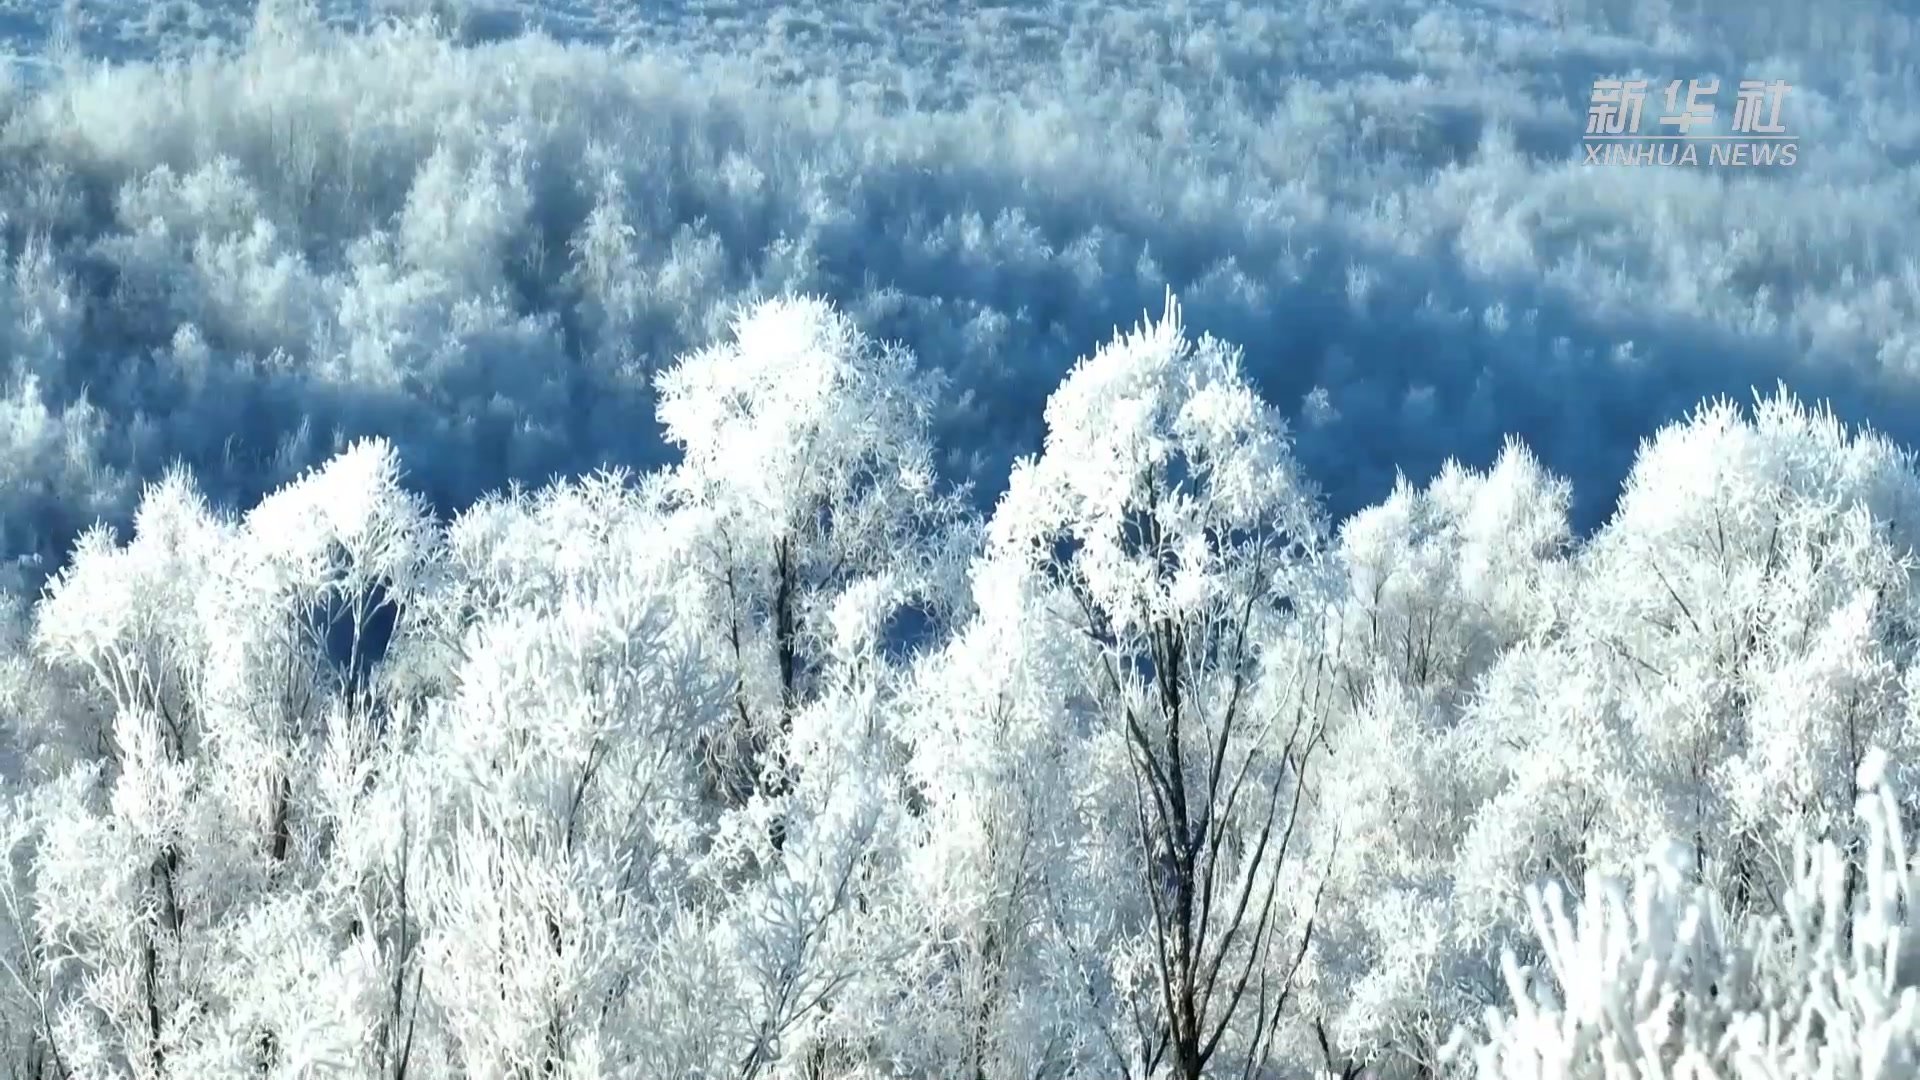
(804, 514)
(1160, 460)
(1753, 601)
(1167, 534)
(1444, 579)
(780, 762)
(789, 409)
(588, 540)
(1660, 980)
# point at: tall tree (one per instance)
(1168, 513)
(195, 860)
(806, 469)
(1437, 584)
(997, 755)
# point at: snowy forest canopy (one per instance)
(520, 560)
(781, 761)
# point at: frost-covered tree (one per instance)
(597, 907)
(995, 723)
(195, 871)
(570, 800)
(1665, 981)
(806, 471)
(1737, 636)
(1712, 665)
(1437, 585)
(1758, 582)
(570, 818)
(809, 946)
(1167, 517)
(1442, 580)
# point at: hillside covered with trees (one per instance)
(953, 540)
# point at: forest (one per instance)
(782, 761)
(1140, 541)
